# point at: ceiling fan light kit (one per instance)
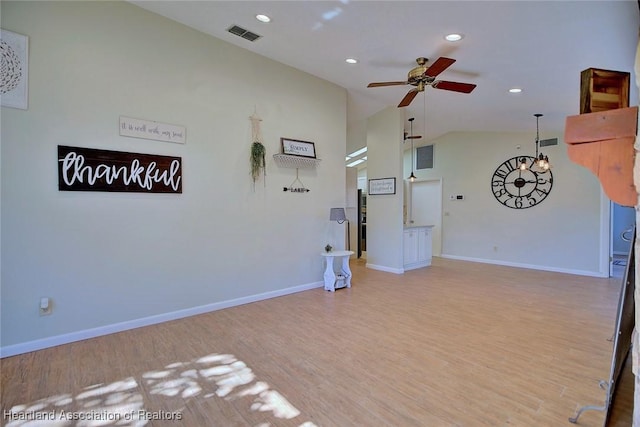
(423, 75)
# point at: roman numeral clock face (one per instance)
(520, 189)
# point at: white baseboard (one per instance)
(383, 268)
(26, 347)
(530, 266)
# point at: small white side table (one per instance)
(330, 275)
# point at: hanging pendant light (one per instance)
(412, 177)
(523, 164)
(541, 163)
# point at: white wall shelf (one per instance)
(295, 162)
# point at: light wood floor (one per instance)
(455, 344)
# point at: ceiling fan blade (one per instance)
(454, 86)
(439, 66)
(378, 84)
(408, 98)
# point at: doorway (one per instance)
(623, 219)
(362, 224)
(425, 208)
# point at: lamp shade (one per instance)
(337, 214)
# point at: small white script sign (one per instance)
(148, 129)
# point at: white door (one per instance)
(426, 209)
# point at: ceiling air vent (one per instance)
(245, 34)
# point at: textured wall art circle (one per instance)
(14, 70)
(10, 68)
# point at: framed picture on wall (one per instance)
(14, 85)
(294, 147)
(380, 186)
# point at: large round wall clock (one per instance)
(519, 188)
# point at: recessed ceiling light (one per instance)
(263, 18)
(453, 37)
(351, 61)
(515, 90)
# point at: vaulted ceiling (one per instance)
(538, 46)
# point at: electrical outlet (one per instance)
(45, 306)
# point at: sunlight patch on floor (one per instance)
(121, 403)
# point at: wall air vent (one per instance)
(245, 34)
(548, 142)
(424, 157)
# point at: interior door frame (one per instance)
(606, 238)
(437, 240)
(612, 235)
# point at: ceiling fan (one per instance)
(422, 76)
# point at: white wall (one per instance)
(106, 258)
(384, 212)
(562, 233)
(356, 135)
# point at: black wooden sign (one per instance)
(88, 169)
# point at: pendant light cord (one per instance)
(411, 123)
(538, 115)
(424, 112)
(537, 134)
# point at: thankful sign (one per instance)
(88, 169)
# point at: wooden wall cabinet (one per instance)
(602, 90)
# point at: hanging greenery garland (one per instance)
(258, 162)
(258, 151)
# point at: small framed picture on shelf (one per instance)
(382, 186)
(294, 147)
